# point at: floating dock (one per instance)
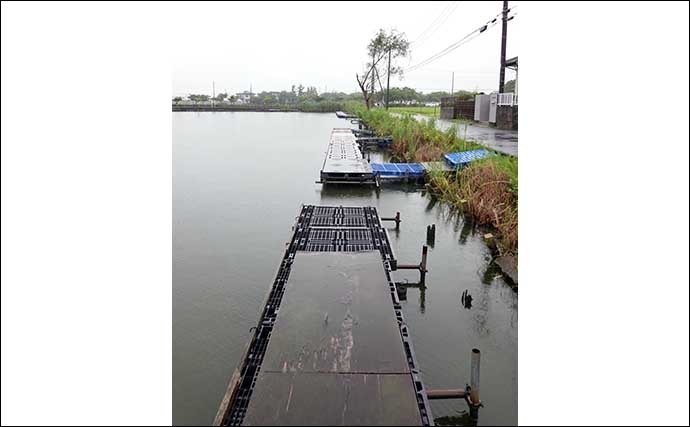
(344, 163)
(331, 345)
(373, 141)
(344, 115)
(363, 133)
(463, 158)
(398, 170)
(437, 166)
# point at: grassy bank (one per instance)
(414, 141)
(421, 109)
(486, 190)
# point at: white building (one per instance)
(243, 97)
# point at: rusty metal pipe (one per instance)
(446, 394)
(408, 267)
(396, 218)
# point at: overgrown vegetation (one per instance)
(418, 109)
(414, 141)
(486, 190)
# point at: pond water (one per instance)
(239, 180)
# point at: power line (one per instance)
(455, 45)
(447, 15)
(433, 22)
(470, 36)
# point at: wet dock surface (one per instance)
(336, 317)
(335, 356)
(331, 346)
(344, 161)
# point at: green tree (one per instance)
(177, 99)
(390, 45)
(198, 98)
(435, 96)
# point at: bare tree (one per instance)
(391, 45)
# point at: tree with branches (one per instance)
(389, 45)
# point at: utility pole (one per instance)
(452, 83)
(388, 85)
(213, 100)
(502, 78)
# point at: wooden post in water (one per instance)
(430, 234)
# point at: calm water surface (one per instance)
(238, 182)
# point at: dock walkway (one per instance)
(331, 345)
(344, 162)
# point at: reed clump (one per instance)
(486, 189)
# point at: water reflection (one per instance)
(345, 191)
(404, 286)
(467, 228)
(222, 266)
(491, 273)
(481, 314)
(432, 203)
(466, 300)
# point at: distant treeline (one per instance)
(310, 107)
(309, 99)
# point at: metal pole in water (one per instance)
(422, 266)
(474, 384)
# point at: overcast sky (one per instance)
(275, 45)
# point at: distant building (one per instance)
(243, 97)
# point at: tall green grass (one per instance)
(414, 141)
(421, 109)
(487, 189)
